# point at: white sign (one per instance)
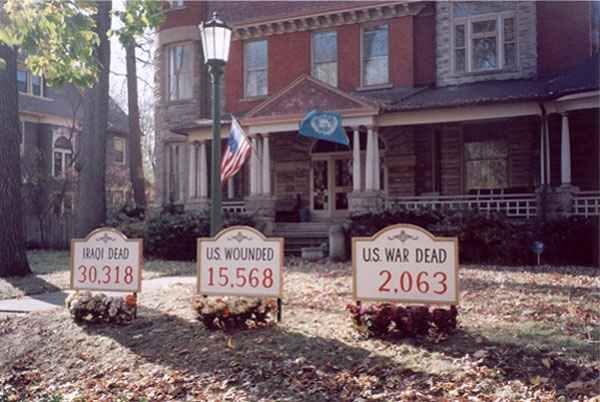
(405, 263)
(106, 260)
(240, 261)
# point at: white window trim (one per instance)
(170, 47)
(175, 4)
(56, 135)
(362, 58)
(22, 135)
(313, 63)
(246, 70)
(121, 140)
(467, 22)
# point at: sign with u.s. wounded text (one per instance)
(405, 263)
(240, 261)
(106, 260)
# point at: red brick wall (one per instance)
(424, 49)
(401, 51)
(289, 57)
(349, 57)
(192, 14)
(563, 34)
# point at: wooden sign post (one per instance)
(405, 263)
(241, 261)
(107, 261)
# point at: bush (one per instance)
(494, 238)
(173, 233)
(233, 313)
(388, 320)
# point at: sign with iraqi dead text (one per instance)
(240, 261)
(405, 263)
(108, 261)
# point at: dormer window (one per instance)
(324, 57)
(484, 42)
(30, 84)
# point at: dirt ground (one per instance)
(525, 334)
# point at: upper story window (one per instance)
(175, 3)
(62, 154)
(375, 63)
(180, 72)
(255, 68)
(119, 146)
(30, 84)
(324, 57)
(484, 36)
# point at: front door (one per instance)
(331, 181)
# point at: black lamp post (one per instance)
(216, 38)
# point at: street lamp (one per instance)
(216, 38)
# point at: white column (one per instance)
(266, 168)
(230, 188)
(370, 184)
(253, 167)
(203, 167)
(259, 165)
(565, 151)
(181, 172)
(543, 151)
(376, 160)
(167, 177)
(192, 191)
(356, 160)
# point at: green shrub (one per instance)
(494, 238)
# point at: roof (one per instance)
(65, 101)
(583, 77)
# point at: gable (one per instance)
(306, 94)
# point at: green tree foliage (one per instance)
(55, 36)
(138, 16)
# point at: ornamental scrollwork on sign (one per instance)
(105, 238)
(403, 236)
(239, 237)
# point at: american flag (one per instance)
(238, 150)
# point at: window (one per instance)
(486, 165)
(324, 57)
(30, 84)
(484, 42)
(118, 198)
(175, 3)
(255, 68)
(23, 81)
(119, 147)
(61, 155)
(375, 65)
(180, 68)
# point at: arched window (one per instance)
(62, 154)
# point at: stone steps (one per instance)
(302, 234)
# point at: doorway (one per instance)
(331, 182)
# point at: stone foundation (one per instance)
(558, 201)
(367, 201)
(262, 207)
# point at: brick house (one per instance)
(49, 129)
(487, 105)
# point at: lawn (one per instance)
(51, 269)
(528, 333)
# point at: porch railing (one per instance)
(512, 205)
(586, 203)
(234, 206)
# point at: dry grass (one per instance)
(525, 334)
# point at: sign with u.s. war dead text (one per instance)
(240, 261)
(106, 260)
(405, 263)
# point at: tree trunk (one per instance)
(13, 257)
(136, 166)
(91, 200)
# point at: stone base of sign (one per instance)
(366, 201)
(313, 253)
(262, 207)
(198, 204)
(557, 201)
(337, 243)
